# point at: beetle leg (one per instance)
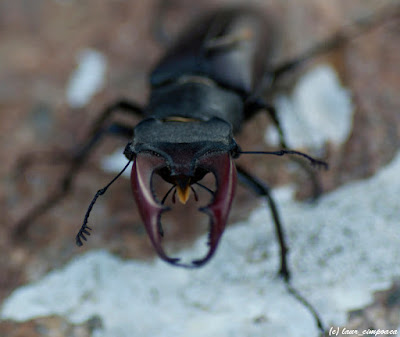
(62, 157)
(254, 105)
(261, 189)
(120, 105)
(343, 36)
(78, 159)
(289, 66)
(258, 104)
(47, 158)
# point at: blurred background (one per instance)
(40, 45)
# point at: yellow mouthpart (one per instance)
(183, 194)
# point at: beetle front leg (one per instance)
(258, 104)
(98, 130)
(254, 105)
(262, 190)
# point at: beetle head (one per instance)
(182, 154)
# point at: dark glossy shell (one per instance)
(231, 47)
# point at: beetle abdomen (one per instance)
(230, 47)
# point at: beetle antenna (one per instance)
(313, 161)
(85, 228)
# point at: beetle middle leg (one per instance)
(261, 189)
(98, 130)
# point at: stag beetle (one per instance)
(202, 91)
(205, 87)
